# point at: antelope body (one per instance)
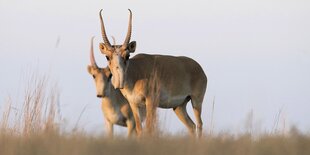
(114, 106)
(156, 81)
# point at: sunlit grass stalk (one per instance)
(212, 118)
(38, 111)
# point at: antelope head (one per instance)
(101, 76)
(117, 55)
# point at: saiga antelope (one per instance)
(155, 80)
(114, 106)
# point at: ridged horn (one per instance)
(126, 42)
(104, 35)
(92, 57)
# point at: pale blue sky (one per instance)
(256, 53)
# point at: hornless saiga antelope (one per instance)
(115, 107)
(155, 80)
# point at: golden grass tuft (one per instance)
(38, 112)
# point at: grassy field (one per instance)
(35, 130)
(53, 143)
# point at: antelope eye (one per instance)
(94, 76)
(108, 58)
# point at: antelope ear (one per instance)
(104, 49)
(89, 69)
(132, 47)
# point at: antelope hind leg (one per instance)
(185, 119)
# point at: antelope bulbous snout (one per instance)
(117, 84)
(99, 96)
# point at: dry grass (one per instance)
(80, 144)
(151, 117)
(38, 111)
(34, 129)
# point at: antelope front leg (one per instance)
(110, 129)
(130, 122)
(135, 112)
(150, 116)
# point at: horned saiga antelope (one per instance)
(171, 80)
(114, 106)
